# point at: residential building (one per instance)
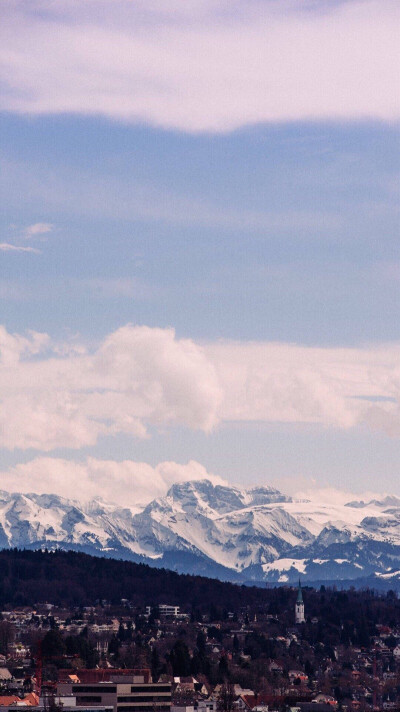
(133, 692)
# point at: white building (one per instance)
(299, 607)
(164, 610)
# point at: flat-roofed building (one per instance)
(164, 609)
(124, 693)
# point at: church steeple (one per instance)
(299, 594)
(299, 607)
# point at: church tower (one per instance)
(299, 608)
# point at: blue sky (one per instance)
(237, 233)
(284, 233)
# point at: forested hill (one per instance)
(72, 578)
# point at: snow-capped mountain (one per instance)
(241, 535)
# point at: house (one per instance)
(6, 700)
(396, 652)
(276, 668)
(31, 700)
(326, 699)
(314, 707)
(298, 675)
(257, 703)
(238, 690)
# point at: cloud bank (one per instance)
(111, 480)
(67, 395)
(202, 66)
(332, 387)
(134, 484)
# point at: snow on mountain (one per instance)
(256, 534)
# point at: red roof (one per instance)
(29, 700)
(261, 699)
(6, 700)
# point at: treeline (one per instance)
(71, 579)
(67, 578)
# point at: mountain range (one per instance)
(255, 535)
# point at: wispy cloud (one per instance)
(203, 66)
(7, 247)
(37, 229)
(121, 287)
(31, 232)
(131, 199)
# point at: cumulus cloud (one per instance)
(136, 377)
(202, 66)
(111, 480)
(67, 394)
(14, 347)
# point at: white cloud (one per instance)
(334, 387)
(67, 395)
(32, 231)
(38, 229)
(7, 247)
(332, 495)
(14, 347)
(203, 66)
(137, 376)
(131, 483)
(111, 480)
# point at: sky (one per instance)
(199, 249)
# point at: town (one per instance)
(302, 649)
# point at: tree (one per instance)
(80, 645)
(53, 645)
(180, 659)
(226, 698)
(308, 668)
(154, 615)
(201, 643)
(155, 664)
(121, 632)
(7, 635)
(129, 631)
(223, 668)
(113, 646)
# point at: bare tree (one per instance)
(226, 697)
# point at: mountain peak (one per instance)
(206, 527)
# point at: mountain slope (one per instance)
(226, 532)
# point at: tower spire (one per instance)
(299, 607)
